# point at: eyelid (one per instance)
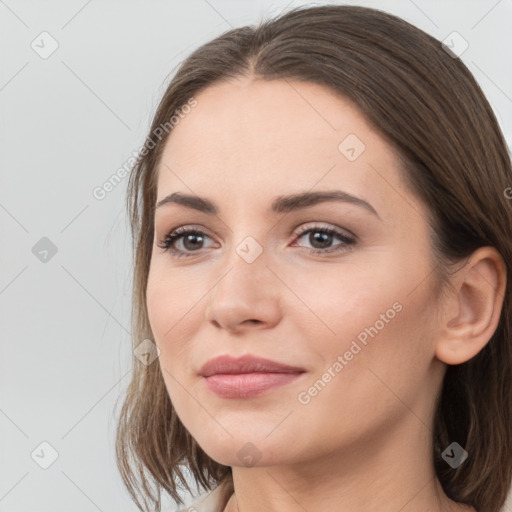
(347, 238)
(303, 227)
(319, 225)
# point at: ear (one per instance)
(472, 312)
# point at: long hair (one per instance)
(427, 105)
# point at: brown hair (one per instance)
(426, 104)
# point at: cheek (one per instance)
(165, 310)
(375, 367)
(375, 320)
(169, 300)
(337, 305)
(160, 304)
(175, 305)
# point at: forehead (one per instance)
(265, 138)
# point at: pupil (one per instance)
(323, 238)
(187, 239)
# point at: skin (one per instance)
(364, 441)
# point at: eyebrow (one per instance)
(281, 204)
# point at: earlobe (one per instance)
(473, 311)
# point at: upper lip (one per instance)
(245, 364)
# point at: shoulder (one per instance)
(211, 501)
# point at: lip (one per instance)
(247, 385)
(246, 364)
(247, 376)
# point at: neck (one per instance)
(366, 476)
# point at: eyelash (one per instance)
(177, 234)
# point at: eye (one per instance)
(192, 239)
(321, 236)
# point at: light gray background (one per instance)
(68, 122)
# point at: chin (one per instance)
(238, 450)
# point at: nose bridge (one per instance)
(250, 234)
(247, 261)
(246, 289)
(250, 250)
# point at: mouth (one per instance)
(247, 376)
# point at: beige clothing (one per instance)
(211, 501)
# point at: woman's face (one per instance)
(357, 316)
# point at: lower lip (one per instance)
(247, 385)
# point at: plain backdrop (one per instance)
(69, 120)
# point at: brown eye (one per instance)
(320, 237)
(191, 239)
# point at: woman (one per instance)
(322, 240)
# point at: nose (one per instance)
(248, 293)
